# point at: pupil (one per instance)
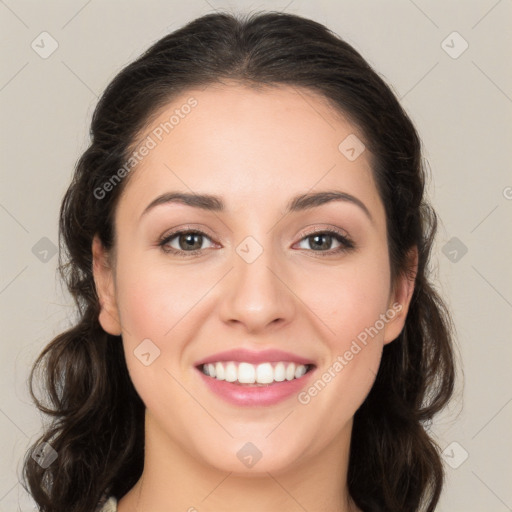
(319, 237)
(189, 240)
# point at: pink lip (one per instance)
(247, 395)
(254, 357)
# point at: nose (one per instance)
(256, 294)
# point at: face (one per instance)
(282, 283)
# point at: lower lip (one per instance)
(247, 395)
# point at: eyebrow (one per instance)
(298, 203)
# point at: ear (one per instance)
(104, 281)
(400, 298)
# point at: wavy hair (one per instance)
(97, 417)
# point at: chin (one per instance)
(253, 456)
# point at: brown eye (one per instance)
(184, 242)
(322, 241)
(192, 241)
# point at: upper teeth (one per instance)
(247, 373)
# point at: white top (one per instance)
(109, 506)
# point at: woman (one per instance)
(247, 241)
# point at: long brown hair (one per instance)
(97, 427)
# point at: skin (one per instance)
(256, 149)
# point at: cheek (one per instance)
(161, 304)
(153, 305)
(351, 298)
(154, 298)
(350, 309)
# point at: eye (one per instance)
(184, 241)
(321, 242)
(187, 242)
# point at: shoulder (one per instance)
(107, 505)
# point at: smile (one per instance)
(260, 374)
(248, 378)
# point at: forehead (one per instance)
(249, 145)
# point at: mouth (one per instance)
(245, 378)
(255, 375)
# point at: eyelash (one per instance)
(346, 243)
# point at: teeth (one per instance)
(300, 371)
(264, 373)
(211, 370)
(247, 373)
(279, 372)
(231, 372)
(219, 371)
(290, 372)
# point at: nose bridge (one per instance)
(257, 295)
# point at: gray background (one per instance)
(461, 105)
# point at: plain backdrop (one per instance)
(449, 64)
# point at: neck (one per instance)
(174, 480)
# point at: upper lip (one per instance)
(255, 357)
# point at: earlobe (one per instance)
(104, 282)
(401, 298)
